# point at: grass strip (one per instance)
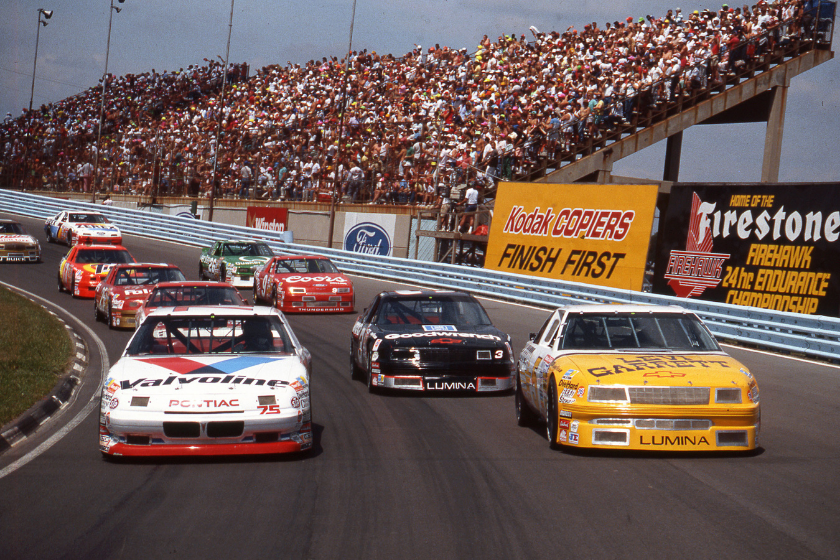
(35, 350)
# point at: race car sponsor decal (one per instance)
(573, 427)
(563, 424)
(753, 395)
(450, 386)
(569, 373)
(565, 414)
(581, 391)
(115, 402)
(447, 341)
(203, 403)
(439, 328)
(438, 333)
(664, 374)
(183, 379)
(656, 362)
(331, 279)
(673, 440)
(186, 366)
(562, 435)
(574, 439)
(374, 356)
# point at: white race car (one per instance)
(208, 381)
(72, 227)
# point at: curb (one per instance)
(28, 422)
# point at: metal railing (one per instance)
(814, 336)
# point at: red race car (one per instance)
(84, 266)
(307, 283)
(191, 294)
(126, 287)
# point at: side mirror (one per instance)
(532, 336)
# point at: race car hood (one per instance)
(94, 229)
(17, 238)
(96, 270)
(130, 293)
(245, 262)
(440, 335)
(317, 280)
(199, 383)
(708, 369)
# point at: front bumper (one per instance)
(161, 434)
(20, 256)
(318, 303)
(124, 318)
(441, 383)
(696, 429)
(87, 239)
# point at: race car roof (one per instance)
(217, 310)
(602, 308)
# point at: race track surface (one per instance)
(422, 477)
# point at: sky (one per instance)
(168, 35)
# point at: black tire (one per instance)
(50, 238)
(110, 317)
(60, 283)
(551, 420)
(256, 299)
(222, 273)
(274, 301)
(97, 316)
(200, 272)
(524, 415)
(355, 371)
(73, 288)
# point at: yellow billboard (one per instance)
(594, 234)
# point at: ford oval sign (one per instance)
(368, 238)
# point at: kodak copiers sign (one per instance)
(594, 234)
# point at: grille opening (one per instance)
(225, 429)
(610, 437)
(728, 395)
(733, 438)
(139, 401)
(266, 437)
(267, 399)
(407, 382)
(487, 382)
(137, 440)
(182, 429)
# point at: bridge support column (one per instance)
(773, 138)
(673, 151)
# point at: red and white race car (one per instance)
(71, 227)
(84, 266)
(191, 294)
(126, 287)
(304, 283)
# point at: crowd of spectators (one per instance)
(413, 128)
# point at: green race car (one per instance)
(233, 262)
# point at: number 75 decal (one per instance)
(269, 409)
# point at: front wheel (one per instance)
(355, 370)
(222, 274)
(275, 301)
(371, 387)
(201, 272)
(96, 315)
(60, 284)
(551, 416)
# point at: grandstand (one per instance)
(548, 106)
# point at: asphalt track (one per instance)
(419, 477)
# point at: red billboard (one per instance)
(267, 218)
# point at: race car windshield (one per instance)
(88, 218)
(172, 296)
(302, 266)
(455, 310)
(246, 250)
(12, 228)
(103, 256)
(637, 331)
(210, 335)
(145, 275)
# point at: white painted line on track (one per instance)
(784, 356)
(88, 408)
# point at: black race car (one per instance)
(430, 341)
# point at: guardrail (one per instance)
(815, 336)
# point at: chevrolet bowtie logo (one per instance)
(664, 374)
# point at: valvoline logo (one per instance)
(368, 238)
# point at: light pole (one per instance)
(47, 15)
(102, 106)
(341, 118)
(219, 117)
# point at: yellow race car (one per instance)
(635, 377)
